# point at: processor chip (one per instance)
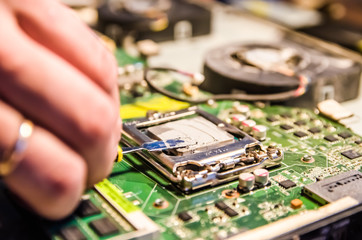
(212, 148)
(199, 134)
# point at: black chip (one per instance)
(345, 135)
(314, 130)
(286, 115)
(103, 227)
(358, 141)
(287, 184)
(331, 138)
(86, 208)
(286, 127)
(351, 154)
(230, 212)
(272, 119)
(300, 123)
(300, 134)
(221, 205)
(72, 233)
(184, 216)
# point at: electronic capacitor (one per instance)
(261, 176)
(259, 132)
(247, 125)
(246, 181)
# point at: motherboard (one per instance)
(246, 171)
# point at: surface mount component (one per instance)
(337, 187)
(103, 227)
(217, 152)
(86, 208)
(351, 154)
(72, 232)
(287, 184)
(184, 216)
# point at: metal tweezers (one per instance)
(156, 146)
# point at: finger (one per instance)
(51, 176)
(60, 98)
(116, 97)
(55, 26)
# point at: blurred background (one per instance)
(326, 36)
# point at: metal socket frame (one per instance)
(207, 168)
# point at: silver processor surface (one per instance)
(199, 134)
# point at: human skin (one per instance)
(56, 73)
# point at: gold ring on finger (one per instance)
(13, 157)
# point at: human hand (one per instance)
(56, 73)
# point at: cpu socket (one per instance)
(215, 152)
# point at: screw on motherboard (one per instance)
(230, 193)
(160, 203)
(307, 158)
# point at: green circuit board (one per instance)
(138, 201)
(136, 186)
